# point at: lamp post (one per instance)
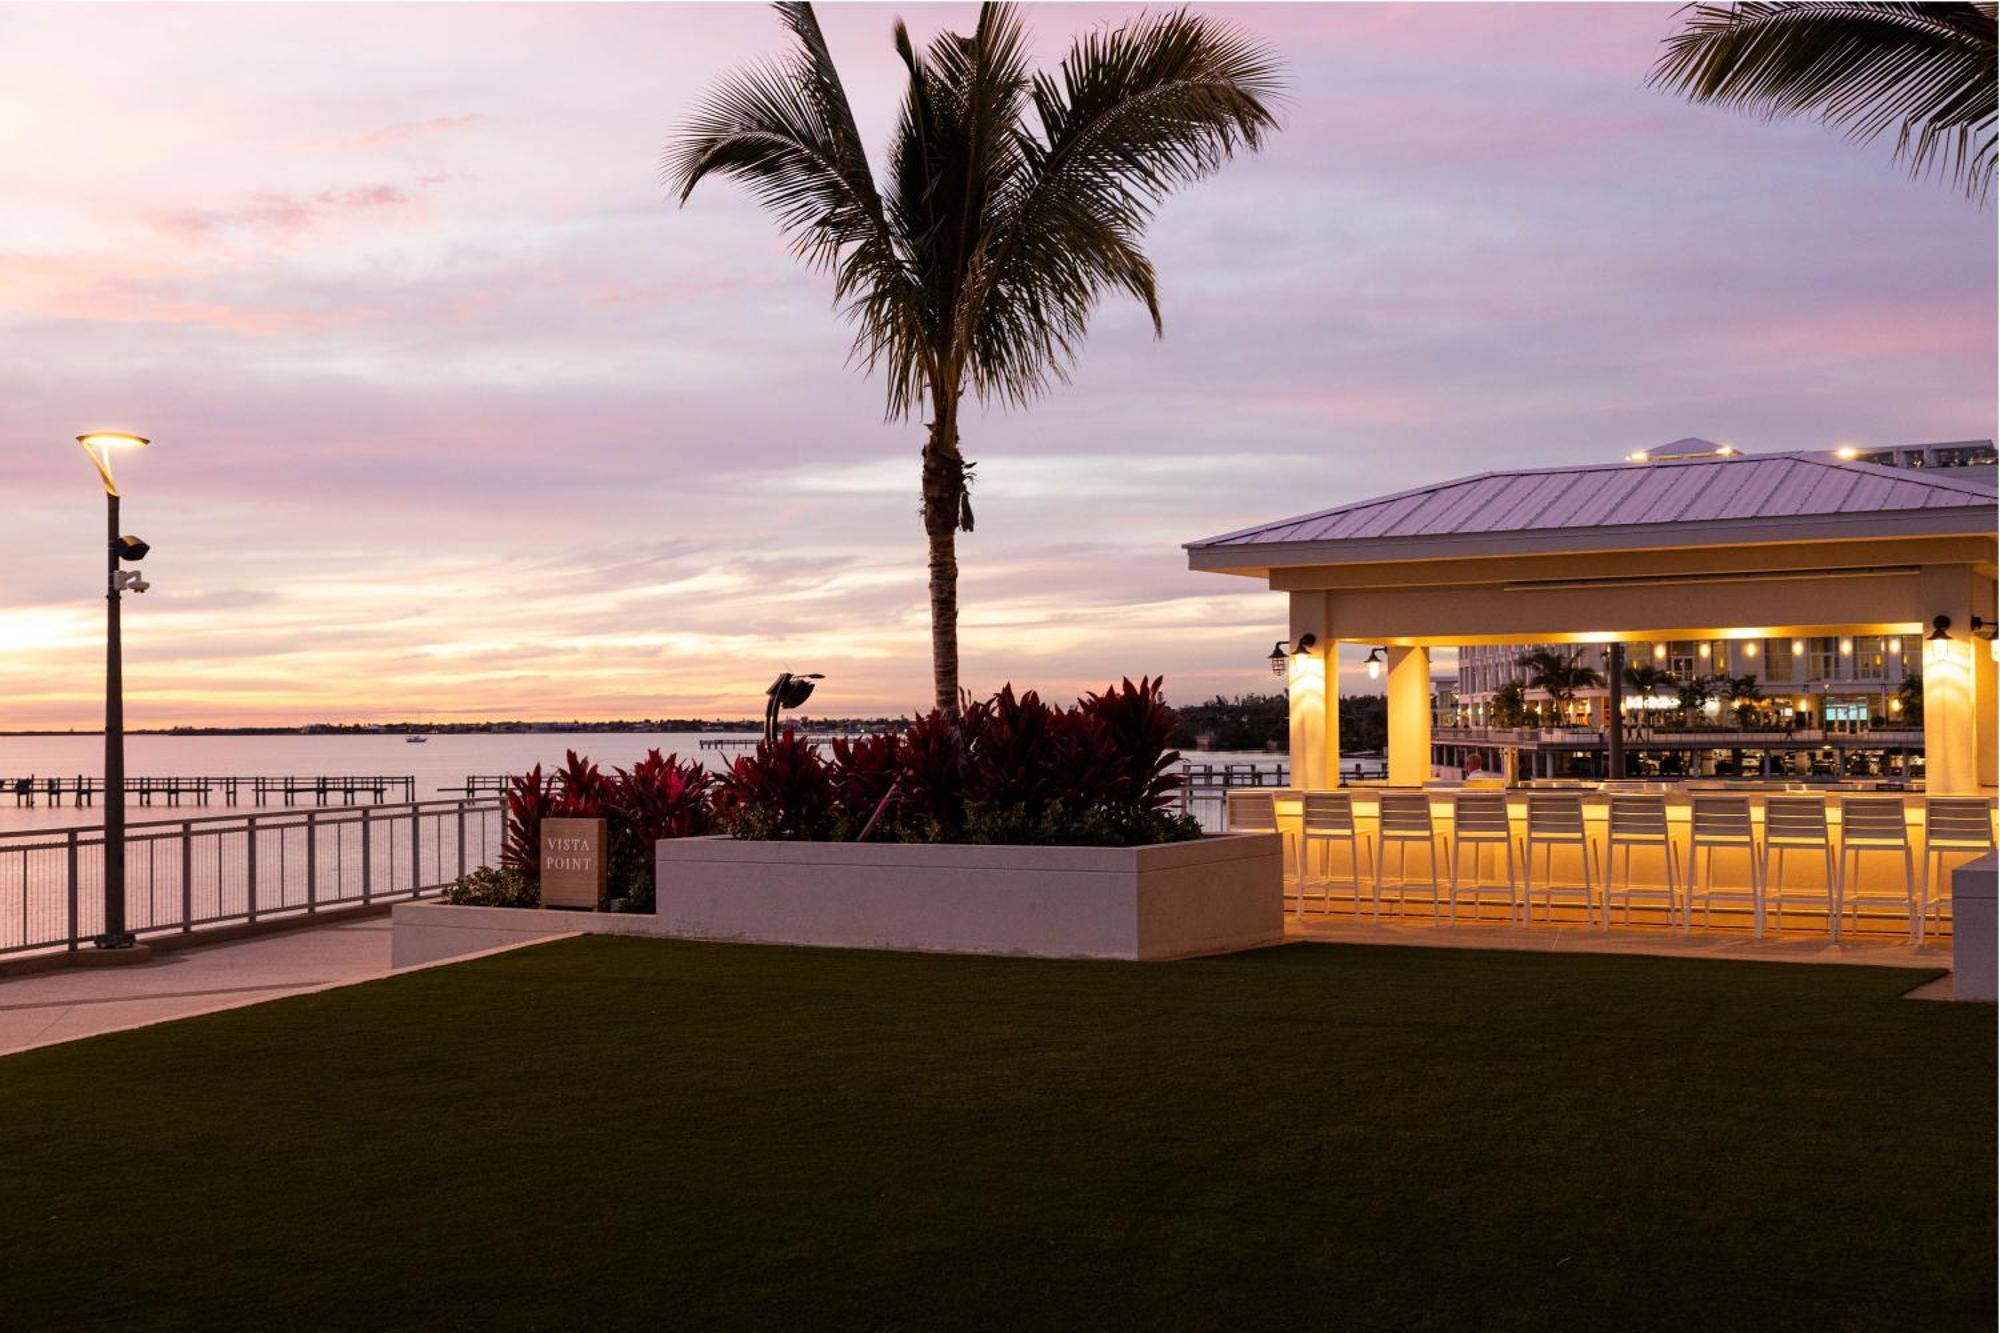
(100, 446)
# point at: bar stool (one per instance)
(1721, 824)
(1479, 819)
(1876, 824)
(1328, 819)
(1557, 821)
(1639, 821)
(1952, 824)
(1405, 817)
(1798, 823)
(1257, 812)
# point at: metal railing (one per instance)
(184, 875)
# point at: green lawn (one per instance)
(616, 1132)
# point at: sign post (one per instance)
(573, 863)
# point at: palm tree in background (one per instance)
(1014, 201)
(1559, 675)
(1926, 71)
(1647, 680)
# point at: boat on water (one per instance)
(416, 740)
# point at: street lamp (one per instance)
(100, 446)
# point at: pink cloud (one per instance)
(404, 131)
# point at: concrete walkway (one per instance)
(43, 1008)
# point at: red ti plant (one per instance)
(865, 777)
(932, 755)
(783, 790)
(1013, 756)
(655, 798)
(1141, 728)
(577, 790)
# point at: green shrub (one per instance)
(493, 886)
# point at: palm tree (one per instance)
(1647, 680)
(1925, 70)
(1744, 694)
(1014, 201)
(1560, 675)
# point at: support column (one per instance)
(1953, 738)
(1409, 716)
(1985, 681)
(1312, 683)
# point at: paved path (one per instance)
(47, 1007)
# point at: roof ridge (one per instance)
(1975, 492)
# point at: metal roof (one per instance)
(1724, 492)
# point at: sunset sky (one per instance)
(456, 415)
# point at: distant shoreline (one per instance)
(816, 724)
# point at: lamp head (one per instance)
(101, 444)
(1278, 658)
(792, 690)
(1940, 630)
(131, 548)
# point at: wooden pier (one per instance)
(340, 789)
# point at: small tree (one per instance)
(1561, 675)
(1745, 696)
(1911, 695)
(1509, 707)
(1693, 696)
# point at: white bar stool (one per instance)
(1876, 824)
(1636, 822)
(1557, 821)
(1952, 824)
(1404, 817)
(1328, 818)
(1479, 819)
(1721, 824)
(1257, 812)
(1798, 824)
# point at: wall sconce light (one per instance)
(1279, 651)
(1940, 630)
(1985, 629)
(1374, 664)
(1803, 704)
(1847, 647)
(1798, 647)
(1659, 651)
(1895, 704)
(1703, 648)
(1749, 647)
(1895, 643)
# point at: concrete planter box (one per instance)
(1171, 900)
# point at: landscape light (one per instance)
(1847, 451)
(787, 691)
(1637, 456)
(1374, 664)
(1725, 451)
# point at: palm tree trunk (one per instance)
(944, 503)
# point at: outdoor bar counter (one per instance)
(1873, 874)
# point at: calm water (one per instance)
(443, 762)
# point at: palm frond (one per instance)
(1133, 113)
(1925, 70)
(784, 129)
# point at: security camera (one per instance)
(130, 548)
(138, 584)
(129, 579)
